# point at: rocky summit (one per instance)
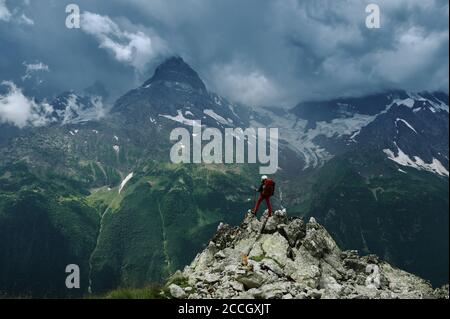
(284, 257)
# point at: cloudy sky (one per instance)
(259, 52)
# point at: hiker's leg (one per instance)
(258, 202)
(269, 206)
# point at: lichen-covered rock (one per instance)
(256, 252)
(305, 271)
(281, 257)
(275, 247)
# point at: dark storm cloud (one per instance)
(74, 58)
(256, 52)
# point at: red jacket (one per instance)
(267, 187)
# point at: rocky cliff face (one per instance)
(282, 257)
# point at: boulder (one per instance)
(252, 280)
(238, 286)
(255, 293)
(220, 255)
(275, 290)
(305, 269)
(272, 265)
(294, 231)
(211, 278)
(278, 217)
(275, 247)
(177, 292)
(256, 252)
(319, 242)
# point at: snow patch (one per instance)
(215, 116)
(440, 106)
(76, 111)
(403, 159)
(435, 106)
(125, 181)
(180, 118)
(406, 123)
(435, 166)
(409, 102)
(217, 100)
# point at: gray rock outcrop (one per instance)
(286, 258)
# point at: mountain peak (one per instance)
(176, 70)
(282, 257)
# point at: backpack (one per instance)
(268, 188)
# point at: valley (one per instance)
(101, 192)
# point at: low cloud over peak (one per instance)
(135, 48)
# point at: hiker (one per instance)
(266, 190)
